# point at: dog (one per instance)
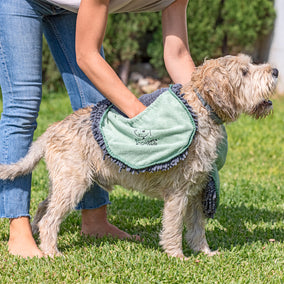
(225, 87)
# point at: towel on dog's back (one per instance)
(156, 139)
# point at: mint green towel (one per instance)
(156, 136)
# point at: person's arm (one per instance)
(90, 31)
(178, 61)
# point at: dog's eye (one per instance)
(245, 71)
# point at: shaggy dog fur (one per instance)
(231, 85)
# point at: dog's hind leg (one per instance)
(66, 194)
(195, 224)
(171, 234)
(41, 210)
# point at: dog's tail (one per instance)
(25, 165)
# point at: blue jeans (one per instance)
(22, 23)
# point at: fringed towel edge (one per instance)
(104, 105)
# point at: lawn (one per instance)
(248, 228)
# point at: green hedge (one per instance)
(215, 28)
(219, 27)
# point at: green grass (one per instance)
(249, 216)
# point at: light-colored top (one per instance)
(119, 6)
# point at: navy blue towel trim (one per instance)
(99, 110)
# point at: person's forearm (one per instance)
(90, 30)
(177, 57)
(179, 66)
(109, 84)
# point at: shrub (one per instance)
(215, 28)
(246, 21)
(126, 39)
(220, 27)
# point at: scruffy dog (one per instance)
(230, 85)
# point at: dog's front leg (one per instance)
(195, 222)
(171, 234)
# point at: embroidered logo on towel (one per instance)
(144, 137)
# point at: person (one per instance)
(75, 39)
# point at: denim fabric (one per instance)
(22, 23)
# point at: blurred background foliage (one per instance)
(215, 28)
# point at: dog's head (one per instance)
(233, 85)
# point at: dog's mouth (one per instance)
(266, 103)
(263, 109)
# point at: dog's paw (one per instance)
(48, 252)
(53, 254)
(212, 253)
(179, 255)
(206, 250)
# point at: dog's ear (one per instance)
(219, 94)
(217, 83)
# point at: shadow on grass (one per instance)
(245, 225)
(140, 215)
(137, 215)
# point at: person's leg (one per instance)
(60, 34)
(20, 79)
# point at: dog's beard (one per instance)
(262, 110)
(262, 106)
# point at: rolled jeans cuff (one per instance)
(95, 197)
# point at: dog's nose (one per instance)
(275, 72)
